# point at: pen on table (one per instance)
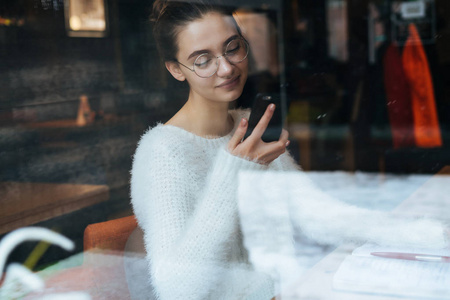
(413, 256)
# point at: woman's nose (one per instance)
(224, 68)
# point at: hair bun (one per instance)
(159, 6)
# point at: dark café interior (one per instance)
(81, 81)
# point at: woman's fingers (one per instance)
(238, 134)
(254, 148)
(263, 122)
(284, 137)
(275, 149)
(272, 154)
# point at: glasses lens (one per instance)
(236, 51)
(205, 65)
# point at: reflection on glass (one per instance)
(86, 18)
(337, 29)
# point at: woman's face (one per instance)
(211, 34)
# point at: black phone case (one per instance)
(273, 130)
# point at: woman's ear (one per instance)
(175, 70)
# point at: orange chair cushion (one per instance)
(111, 235)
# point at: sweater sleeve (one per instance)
(285, 162)
(187, 245)
(328, 220)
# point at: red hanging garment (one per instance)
(398, 99)
(426, 125)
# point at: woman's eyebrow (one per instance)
(198, 52)
(230, 39)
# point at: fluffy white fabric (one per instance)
(184, 195)
(183, 191)
(279, 211)
(329, 221)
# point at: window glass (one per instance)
(363, 89)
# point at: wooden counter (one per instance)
(27, 203)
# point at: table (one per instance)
(88, 275)
(26, 203)
(278, 247)
(316, 283)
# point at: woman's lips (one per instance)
(230, 83)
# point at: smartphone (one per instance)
(273, 130)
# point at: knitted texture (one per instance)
(183, 191)
(327, 220)
(184, 196)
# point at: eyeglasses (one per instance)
(206, 64)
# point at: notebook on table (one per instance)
(364, 273)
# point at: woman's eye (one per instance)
(233, 47)
(233, 50)
(202, 62)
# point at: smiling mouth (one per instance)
(230, 82)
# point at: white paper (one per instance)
(362, 272)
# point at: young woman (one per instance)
(184, 174)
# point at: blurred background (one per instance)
(365, 86)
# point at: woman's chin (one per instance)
(232, 95)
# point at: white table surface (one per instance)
(314, 265)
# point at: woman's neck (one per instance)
(211, 119)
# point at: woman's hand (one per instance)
(254, 148)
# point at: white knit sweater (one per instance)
(183, 192)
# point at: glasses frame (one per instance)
(217, 58)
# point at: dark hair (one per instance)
(170, 16)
